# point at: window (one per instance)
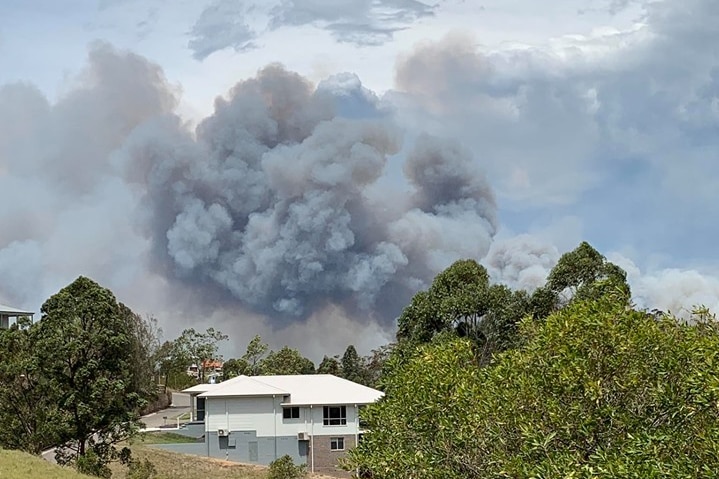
(290, 413)
(335, 416)
(337, 444)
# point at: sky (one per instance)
(299, 168)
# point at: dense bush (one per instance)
(285, 468)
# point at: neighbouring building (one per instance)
(257, 419)
(7, 313)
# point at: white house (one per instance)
(257, 419)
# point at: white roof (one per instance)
(200, 388)
(302, 390)
(8, 311)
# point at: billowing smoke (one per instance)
(274, 200)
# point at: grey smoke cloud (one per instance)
(273, 200)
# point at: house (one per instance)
(257, 419)
(6, 313)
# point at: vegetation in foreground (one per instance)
(596, 390)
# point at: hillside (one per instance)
(19, 465)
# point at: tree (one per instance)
(330, 365)
(596, 390)
(144, 346)
(286, 361)
(462, 300)
(352, 365)
(254, 355)
(28, 413)
(584, 273)
(86, 346)
(235, 367)
(193, 347)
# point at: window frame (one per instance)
(339, 420)
(337, 443)
(290, 412)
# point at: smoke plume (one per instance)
(274, 201)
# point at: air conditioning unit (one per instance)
(223, 432)
(303, 436)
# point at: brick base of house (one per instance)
(325, 459)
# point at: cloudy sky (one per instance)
(313, 198)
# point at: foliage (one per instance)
(254, 355)
(28, 412)
(141, 469)
(144, 346)
(194, 347)
(91, 464)
(285, 468)
(584, 274)
(330, 365)
(352, 365)
(461, 299)
(286, 361)
(86, 348)
(598, 390)
(235, 367)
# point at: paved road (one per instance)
(180, 405)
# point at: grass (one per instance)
(19, 465)
(163, 438)
(172, 465)
(169, 465)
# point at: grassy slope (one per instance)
(18, 465)
(172, 465)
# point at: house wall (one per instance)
(259, 434)
(264, 415)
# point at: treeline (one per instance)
(569, 381)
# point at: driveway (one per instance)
(166, 417)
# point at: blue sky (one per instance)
(590, 120)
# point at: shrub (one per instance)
(285, 468)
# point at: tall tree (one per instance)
(28, 412)
(351, 363)
(462, 300)
(584, 273)
(198, 348)
(87, 360)
(235, 367)
(254, 355)
(144, 346)
(330, 365)
(286, 361)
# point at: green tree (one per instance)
(330, 365)
(462, 300)
(86, 347)
(351, 363)
(286, 361)
(28, 413)
(194, 347)
(584, 273)
(235, 367)
(144, 346)
(598, 390)
(255, 353)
